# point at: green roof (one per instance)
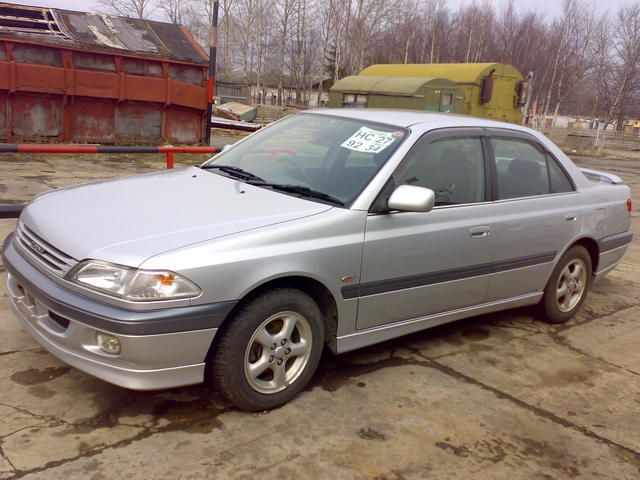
(403, 86)
(458, 72)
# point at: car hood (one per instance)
(130, 219)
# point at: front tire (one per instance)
(568, 286)
(269, 351)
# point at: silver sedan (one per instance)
(334, 227)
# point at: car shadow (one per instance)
(196, 408)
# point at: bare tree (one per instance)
(287, 9)
(473, 24)
(226, 22)
(626, 45)
(583, 63)
(577, 60)
(248, 12)
(263, 37)
(602, 78)
(439, 18)
(368, 18)
(173, 9)
(129, 8)
(326, 15)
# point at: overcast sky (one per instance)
(549, 7)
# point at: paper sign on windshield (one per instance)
(368, 140)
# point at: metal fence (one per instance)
(592, 139)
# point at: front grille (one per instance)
(43, 253)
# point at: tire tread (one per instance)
(552, 314)
(220, 369)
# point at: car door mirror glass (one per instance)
(410, 198)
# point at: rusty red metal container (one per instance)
(90, 78)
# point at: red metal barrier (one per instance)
(168, 151)
(10, 211)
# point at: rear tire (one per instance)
(269, 351)
(568, 286)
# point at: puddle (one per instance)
(334, 372)
(34, 376)
(41, 391)
(475, 334)
(191, 409)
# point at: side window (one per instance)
(560, 183)
(452, 167)
(521, 168)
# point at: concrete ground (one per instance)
(495, 396)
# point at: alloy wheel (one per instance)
(571, 285)
(278, 352)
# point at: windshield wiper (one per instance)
(236, 172)
(300, 190)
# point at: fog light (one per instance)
(108, 343)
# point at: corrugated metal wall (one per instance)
(59, 95)
(55, 88)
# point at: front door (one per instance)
(418, 264)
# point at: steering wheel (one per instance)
(277, 151)
(445, 191)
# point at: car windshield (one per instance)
(320, 157)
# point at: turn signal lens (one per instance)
(166, 280)
(629, 206)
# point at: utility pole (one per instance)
(211, 86)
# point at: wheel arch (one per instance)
(590, 244)
(317, 290)
(592, 247)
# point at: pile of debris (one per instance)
(238, 116)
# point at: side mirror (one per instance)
(409, 198)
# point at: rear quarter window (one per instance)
(559, 180)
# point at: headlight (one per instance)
(132, 284)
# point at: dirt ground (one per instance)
(496, 396)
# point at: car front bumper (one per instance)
(159, 348)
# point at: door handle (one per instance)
(480, 232)
(571, 217)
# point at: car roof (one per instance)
(408, 118)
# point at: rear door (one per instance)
(537, 214)
(417, 264)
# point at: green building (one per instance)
(409, 93)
